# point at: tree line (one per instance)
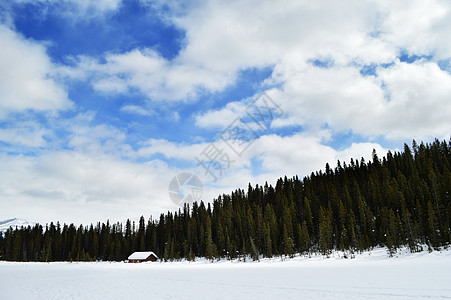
(402, 199)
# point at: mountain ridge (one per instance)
(14, 222)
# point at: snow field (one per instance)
(370, 275)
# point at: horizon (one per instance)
(104, 104)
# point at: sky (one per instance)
(103, 103)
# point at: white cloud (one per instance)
(348, 33)
(138, 110)
(74, 187)
(417, 26)
(100, 5)
(175, 116)
(223, 38)
(405, 101)
(87, 137)
(359, 150)
(231, 35)
(303, 153)
(299, 154)
(170, 149)
(91, 182)
(111, 85)
(28, 134)
(402, 102)
(420, 104)
(26, 81)
(146, 71)
(75, 9)
(221, 118)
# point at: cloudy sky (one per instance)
(103, 102)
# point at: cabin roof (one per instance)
(142, 255)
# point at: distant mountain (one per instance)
(14, 222)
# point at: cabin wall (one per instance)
(150, 258)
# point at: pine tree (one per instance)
(389, 243)
(325, 232)
(304, 239)
(47, 250)
(167, 251)
(433, 224)
(268, 242)
(1, 246)
(210, 248)
(254, 251)
(95, 246)
(288, 243)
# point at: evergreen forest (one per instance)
(402, 199)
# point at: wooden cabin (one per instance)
(142, 256)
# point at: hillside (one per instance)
(401, 199)
(14, 222)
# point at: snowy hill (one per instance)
(14, 222)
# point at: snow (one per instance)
(142, 255)
(14, 222)
(371, 275)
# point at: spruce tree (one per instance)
(210, 248)
(304, 239)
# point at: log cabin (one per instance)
(142, 256)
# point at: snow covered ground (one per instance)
(371, 275)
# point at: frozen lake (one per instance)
(371, 275)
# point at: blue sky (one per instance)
(102, 103)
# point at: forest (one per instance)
(402, 199)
